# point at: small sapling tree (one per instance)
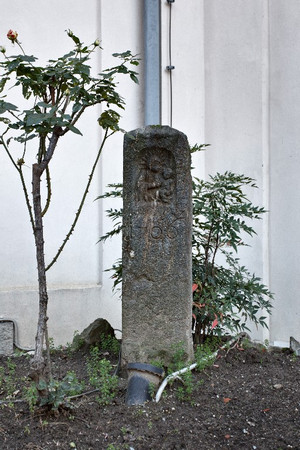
(58, 94)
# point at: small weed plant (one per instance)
(59, 392)
(8, 380)
(109, 344)
(204, 357)
(99, 372)
(204, 353)
(117, 447)
(294, 357)
(27, 430)
(30, 395)
(178, 359)
(185, 390)
(78, 342)
(51, 345)
(152, 390)
(2, 376)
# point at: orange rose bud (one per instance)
(12, 35)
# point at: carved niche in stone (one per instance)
(156, 177)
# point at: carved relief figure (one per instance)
(156, 181)
(168, 185)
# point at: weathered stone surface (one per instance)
(295, 346)
(93, 333)
(157, 245)
(6, 338)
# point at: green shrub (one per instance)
(226, 294)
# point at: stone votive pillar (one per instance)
(157, 246)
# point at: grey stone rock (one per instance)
(92, 334)
(295, 346)
(157, 245)
(6, 338)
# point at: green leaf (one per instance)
(5, 106)
(44, 105)
(82, 69)
(27, 58)
(123, 55)
(35, 119)
(42, 385)
(26, 137)
(3, 81)
(73, 37)
(4, 120)
(109, 119)
(74, 129)
(134, 78)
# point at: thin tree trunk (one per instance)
(40, 366)
(40, 372)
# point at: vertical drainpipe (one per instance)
(152, 60)
(267, 332)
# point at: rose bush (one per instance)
(57, 95)
(12, 35)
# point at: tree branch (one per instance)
(57, 132)
(28, 204)
(106, 136)
(8, 153)
(49, 191)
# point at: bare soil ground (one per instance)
(249, 399)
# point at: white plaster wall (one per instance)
(78, 290)
(188, 88)
(219, 95)
(285, 167)
(121, 19)
(28, 18)
(235, 86)
(234, 77)
(251, 119)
